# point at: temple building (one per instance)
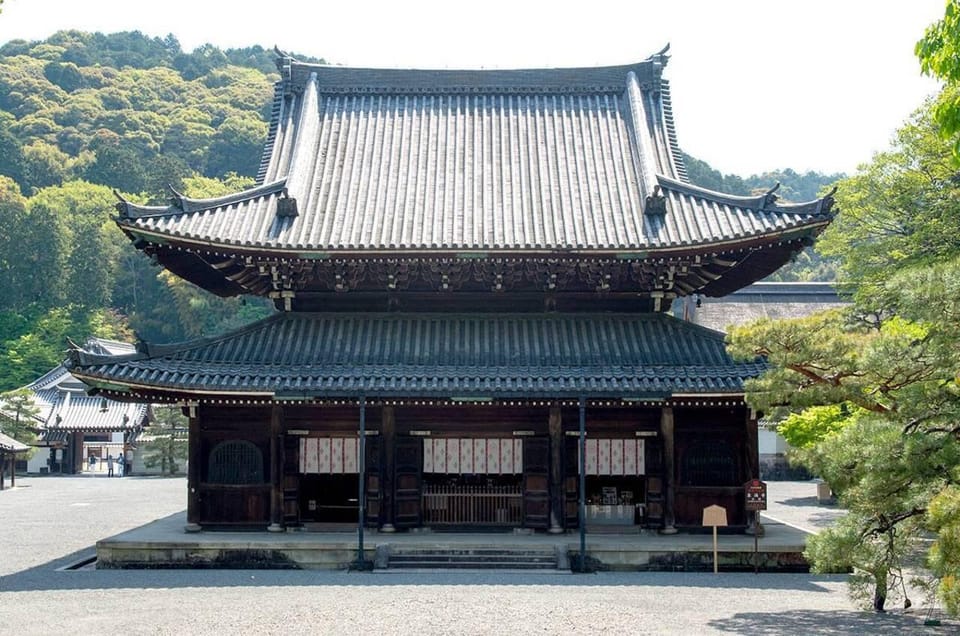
(72, 426)
(469, 267)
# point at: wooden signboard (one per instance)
(715, 516)
(756, 494)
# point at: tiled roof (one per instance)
(52, 437)
(10, 445)
(436, 355)
(74, 411)
(64, 405)
(542, 160)
(777, 301)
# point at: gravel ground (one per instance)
(50, 522)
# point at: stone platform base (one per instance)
(165, 544)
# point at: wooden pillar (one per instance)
(388, 439)
(361, 562)
(3, 468)
(555, 427)
(13, 470)
(669, 471)
(752, 450)
(752, 446)
(276, 469)
(582, 407)
(193, 470)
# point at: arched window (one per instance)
(709, 463)
(235, 462)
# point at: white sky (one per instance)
(757, 84)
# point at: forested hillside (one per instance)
(82, 115)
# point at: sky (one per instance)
(757, 85)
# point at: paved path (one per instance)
(795, 503)
(50, 522)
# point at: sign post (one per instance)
(755, 492)
(715, 516)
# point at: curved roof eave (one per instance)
(766, 202)
(181, 204)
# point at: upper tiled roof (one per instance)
(435, 355)
(525, 160)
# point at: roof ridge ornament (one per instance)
(769, 197)
(659, 60)
(177, 200)
(286, 205)
(656, 202)
(141, 345)
(283, 62)
(826, 203)
(123, 206)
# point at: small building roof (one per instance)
(9, 445)
(774, 300)
(65, 406)
(320, 355)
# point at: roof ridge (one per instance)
(766, 202)
(182, 204)
(77, 356)
(372, 80)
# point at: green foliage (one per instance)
(82, 114)
(944, 519)
(157, 102)
(901, 210)
(18, 417)
(35, 342)
(885, 478)
(811, 426)
(891, 360)
(939, 54)
(168, 447)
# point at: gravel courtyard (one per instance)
(52, 522)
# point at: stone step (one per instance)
(506, 558)
(471, 551)
(472, 565)
(471, 558)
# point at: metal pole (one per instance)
(756, 541)
(583, 484)
(361, 462)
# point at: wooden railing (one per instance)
(474, 505)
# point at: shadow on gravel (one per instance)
(831, 622)
(803, 501)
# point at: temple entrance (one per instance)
(329, 498)
(328, 482)
(618, 490)
(473, 482)
(473, 500)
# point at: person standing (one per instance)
(110, 465)
(120, 464)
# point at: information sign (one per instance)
(756, 493)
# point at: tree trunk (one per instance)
(880, 591)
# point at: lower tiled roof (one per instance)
(436, 355)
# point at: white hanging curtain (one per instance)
(473, 456)
(329, 455)
(615, 457)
